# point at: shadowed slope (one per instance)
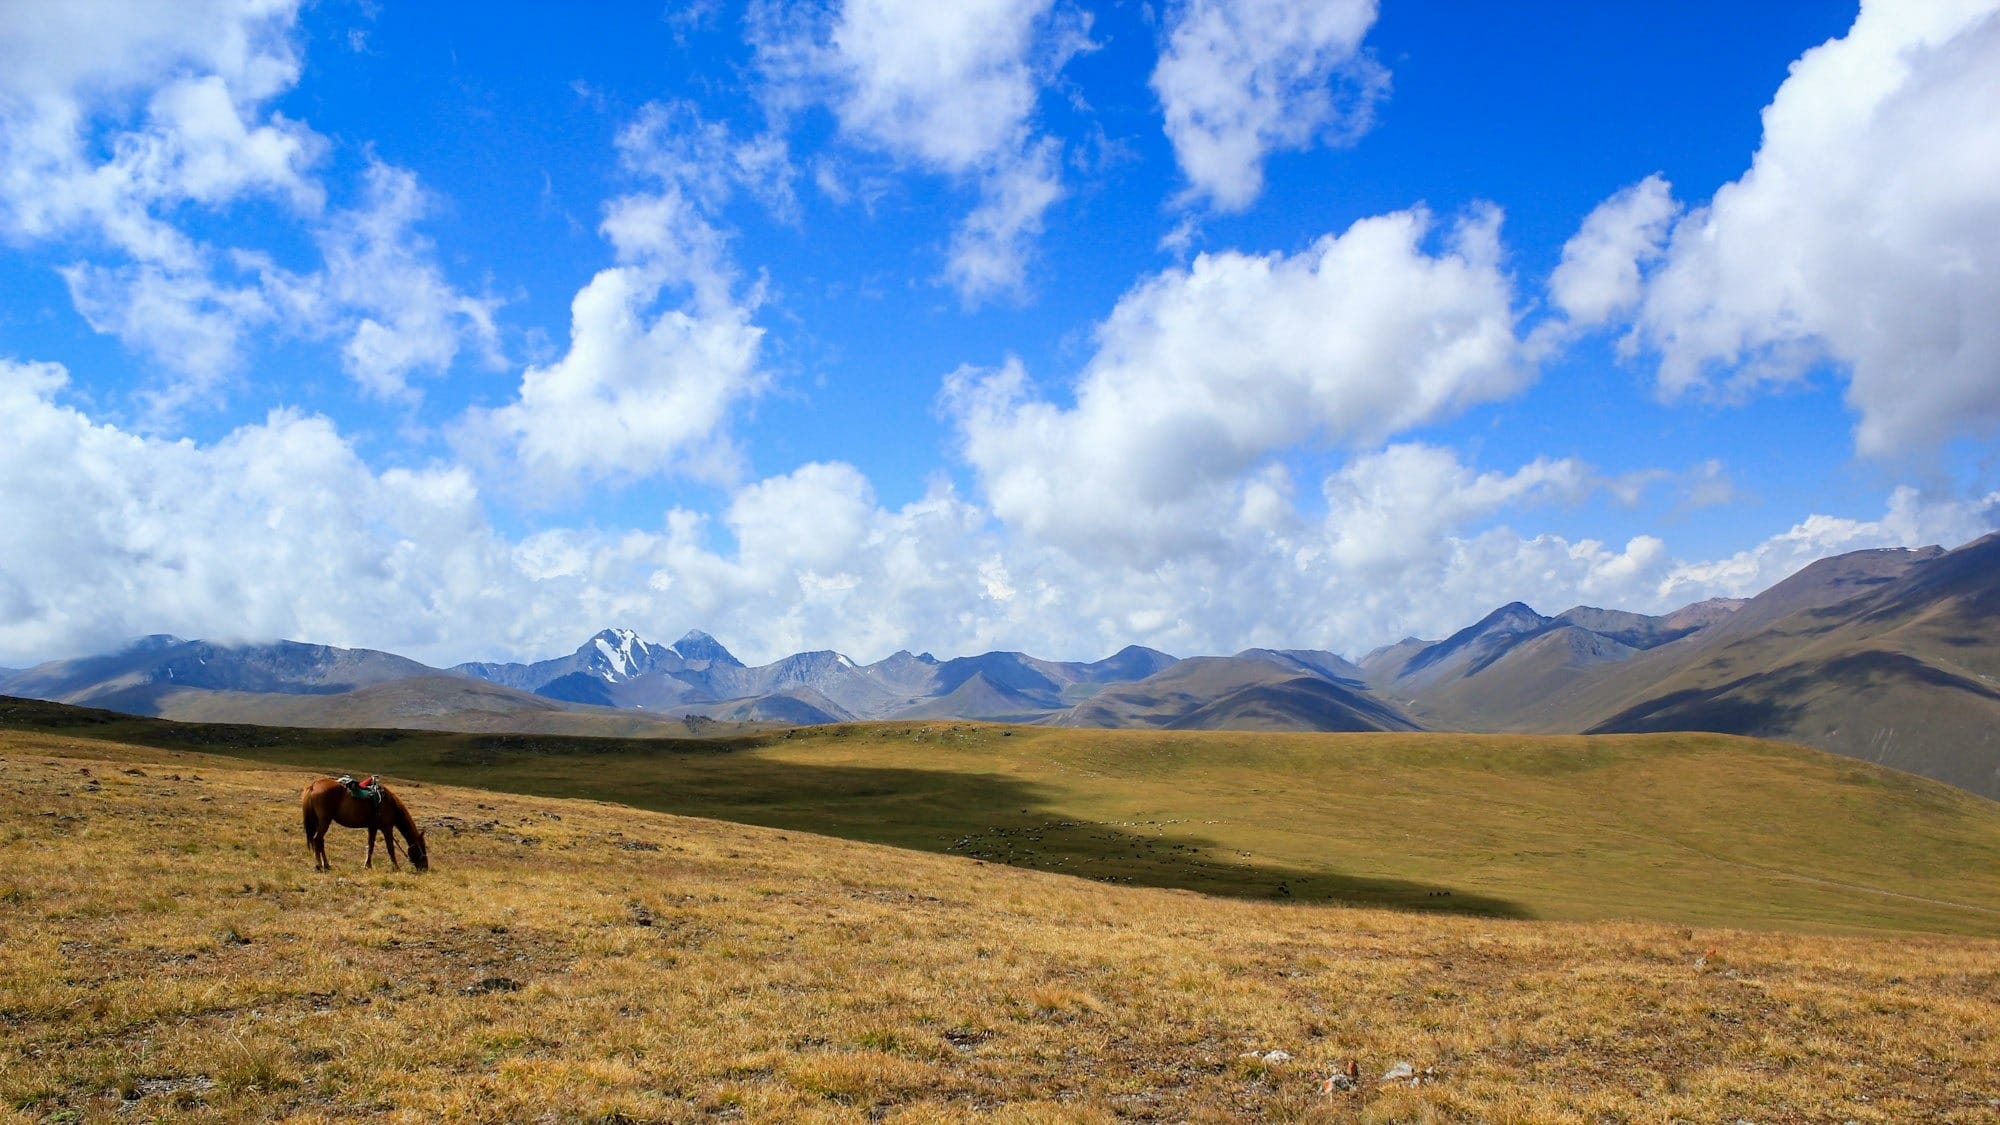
(1688, 828)
(166, 956)
(1905, 673)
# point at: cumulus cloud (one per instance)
(1910, 520)
(393, 304)
(947, 88)
(662, 346)
(1865, 233)
(1240, 79)
(280, 529)
(203, 72)
(1390, 508)
(1202, 373)
(117, 117)
(638, 393)
(1599, 274)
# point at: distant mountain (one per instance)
(1638, 631)
(1509, 670)
(1313, 662)
(1892, 656)
(434, 702)
(697, 675)
(613, 656)
(1236, 693)
(134, 678)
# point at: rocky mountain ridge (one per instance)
(1888, 655)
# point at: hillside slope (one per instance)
(438, 702)
(1249, 692)
(572, 960)
(1683, 828)
(1905, 673)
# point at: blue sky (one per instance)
(1004, 324)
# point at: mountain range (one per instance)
(1891, 656)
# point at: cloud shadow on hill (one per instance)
(983, 817)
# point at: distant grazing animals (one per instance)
(326, 802)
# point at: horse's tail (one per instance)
(306, 810)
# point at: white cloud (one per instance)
(394, 305)
(203, 73)
(949, 84)
(991, 247)
(1388, 509)
(1202, 373)
(949, 89)
(1240, 79)
(280, 529)
(1911, 520)
(1599, 274)
(199, 78)
(638, 393)
(186, 320)
(648, 382)
(276, 530)
(108, 47)
(1866, 232)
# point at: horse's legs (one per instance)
(316, 839)
(389, 838)
(371, 846)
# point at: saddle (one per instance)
(368, 789)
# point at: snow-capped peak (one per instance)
(619, 654)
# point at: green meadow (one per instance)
(1681, 828)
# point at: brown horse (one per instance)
(327, 802)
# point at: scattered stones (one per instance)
(638, 846)
(1272, 1056)
(1346, 1076)
(1404, 1074)
(639, 914)
(485, 985)
(150, 1087)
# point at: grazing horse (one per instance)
(327, 802)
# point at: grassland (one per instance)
(1690, 828)
(167, 953)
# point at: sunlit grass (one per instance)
(554, 967)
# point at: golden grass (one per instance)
(166, 952)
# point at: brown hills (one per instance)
(1892, 656)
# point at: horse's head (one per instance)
(420, 856)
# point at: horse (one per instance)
(327, 802)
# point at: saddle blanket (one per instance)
(368, 789)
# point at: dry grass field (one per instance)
(166, 952)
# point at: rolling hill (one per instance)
(167, 955)
(1904, 672)
(1682, 828)
(1885, 655)
(1239, 693)
(435, 702)
(1890, 656)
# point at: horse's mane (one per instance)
(399, 813)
